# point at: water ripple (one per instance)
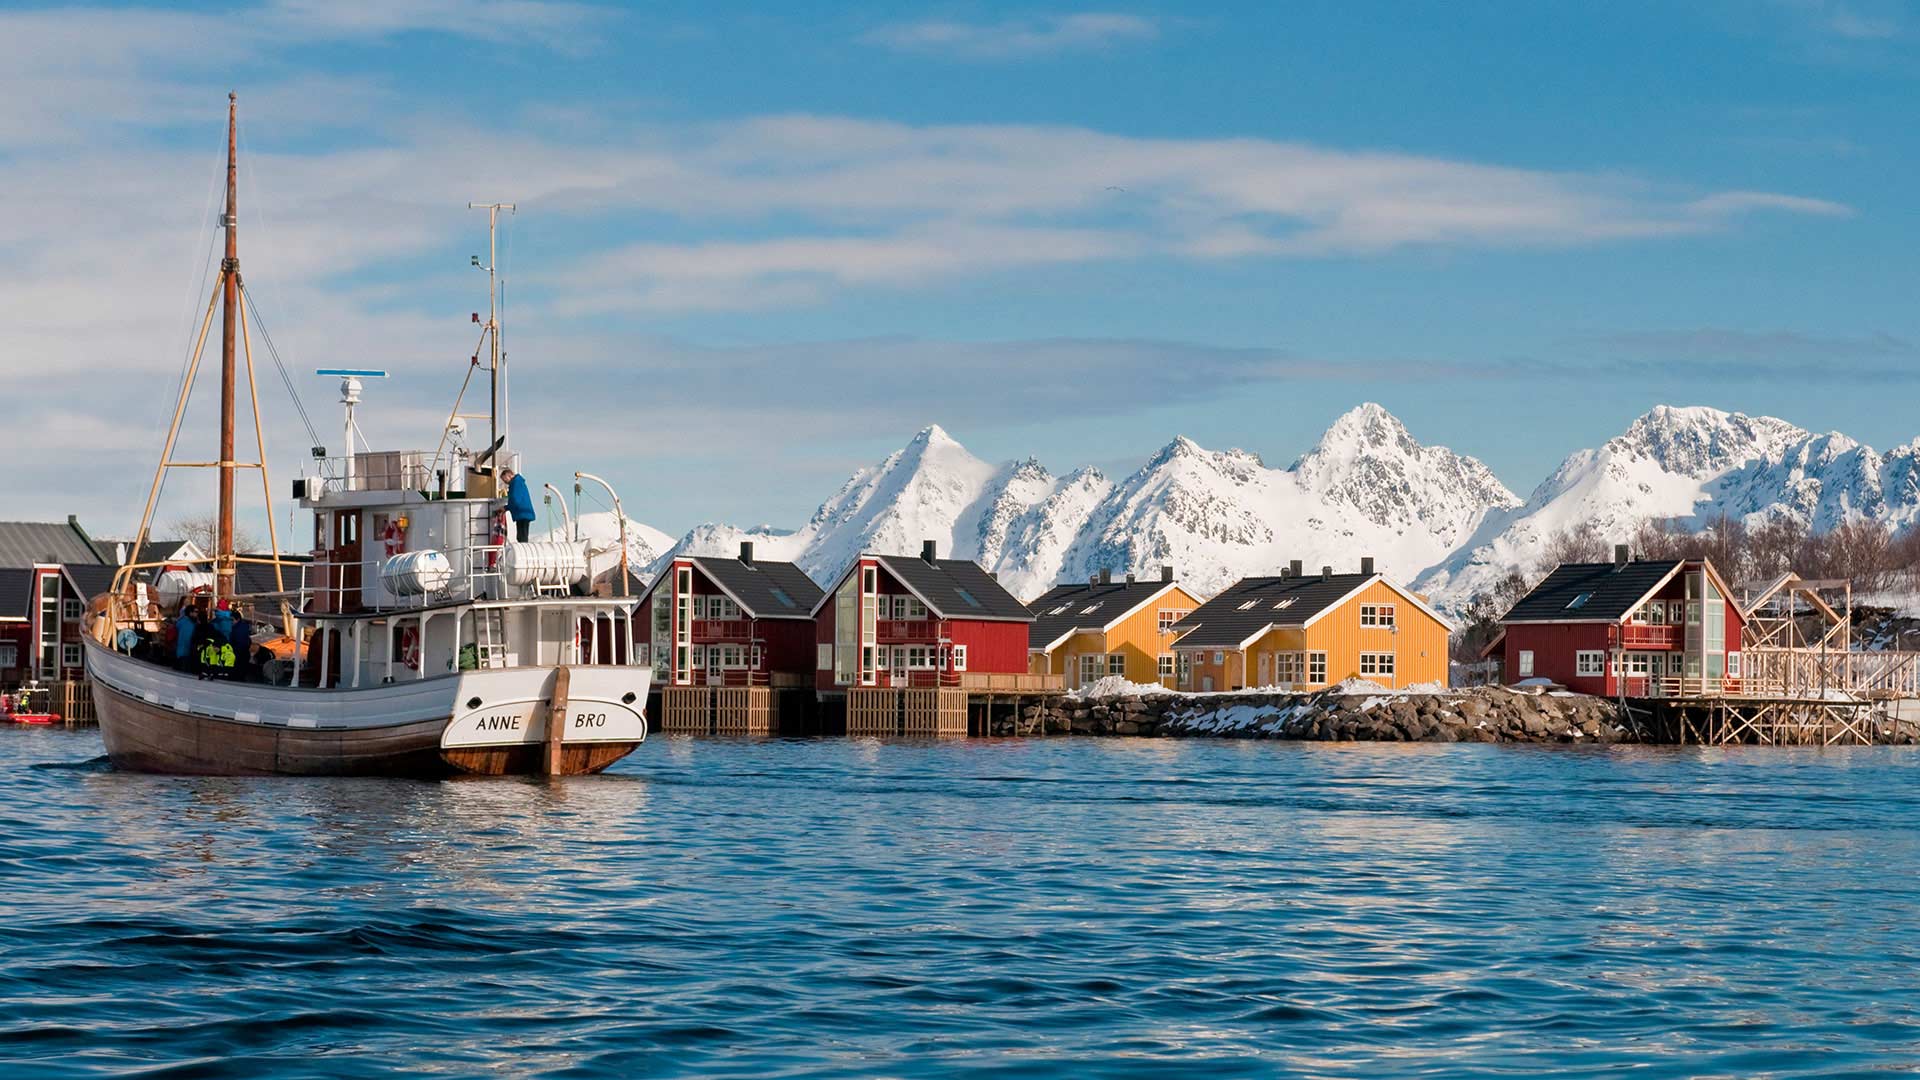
(987, 908)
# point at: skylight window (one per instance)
(1285, 602)
(1061, 610)
(781, 595)
(1248, 605)
(1579, 601)
(1090, 609)
(967, 596)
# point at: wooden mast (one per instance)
(223, 555)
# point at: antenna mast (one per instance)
(496, 422)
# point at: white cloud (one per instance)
(1017, 38)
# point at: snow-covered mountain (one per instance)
(1367, 488)
(1692, 464)
(1430, 516)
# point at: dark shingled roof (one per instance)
(16, 592)
(956, 588)
(766, 590)
(91, 580)
(1220, 623)
(1108, 601)
(1614, 588)
(24, 543)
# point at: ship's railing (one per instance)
(330, 586)
(375, 470)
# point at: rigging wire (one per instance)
(285, 379)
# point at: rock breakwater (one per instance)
(1483, 714)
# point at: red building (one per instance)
(898, 621)
(1639, 627)
(729, 622)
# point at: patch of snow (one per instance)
(1115, 686)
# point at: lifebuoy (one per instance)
(394, 538)
(410, 648)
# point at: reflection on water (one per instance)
(1082, 907)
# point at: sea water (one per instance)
(1065, 907)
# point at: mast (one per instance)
(496, 381)
(223, 564)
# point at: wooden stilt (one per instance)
(556, 722)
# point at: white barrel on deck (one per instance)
(544, 564)
(172, 585)
(417, 573)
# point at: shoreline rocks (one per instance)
(1481, 714)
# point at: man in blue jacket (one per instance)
(519, 503)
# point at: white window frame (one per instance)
(72, 608)
(1376, 615)
(1169, 616)
(1377, 663)
(1164, 667)
(959, 658)
(1090, 665)
(1117, 664)
(70, 654)
(1316, 669)
(1525, 663)
(1733, 665)
(1590, 663)
(9, 655)
(824, 656)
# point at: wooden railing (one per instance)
(1647, 636)
(727, 630)
(910, 631)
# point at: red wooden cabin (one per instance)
(729, 622)
(1639, 627)
(900, 621)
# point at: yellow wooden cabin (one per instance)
(1089, 630)
(1309, 631)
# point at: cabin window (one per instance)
(1733, 665)
(959, 658)
(1316, 668)
(1117, 664)
(1376, 663)
(1526, 663)
(1163, 666)
(71, 609)
(1376, 614)
(1168, 617)
(70, 654)
(1089, 667)
(1589, 663)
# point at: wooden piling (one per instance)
(550, 761)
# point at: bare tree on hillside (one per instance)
(201, 529)
(1776, 546)
(1580, 544)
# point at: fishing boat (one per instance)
(19, 706)
(416, 639)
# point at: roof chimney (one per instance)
(1106, 576)
(926, 550)
(1129, 577)
(1366, 565)
(1092, 580)
(746, 552)
(1166, 574)
(1326, 573)
(1294, 569)
(1621, 554)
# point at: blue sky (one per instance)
(761, 246)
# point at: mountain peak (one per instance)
(933, 435)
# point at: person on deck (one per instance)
(212, 651)
(242, 637)
(183, 629)
(519, 503)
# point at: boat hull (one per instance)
(155, 720)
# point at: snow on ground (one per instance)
(1113, 686)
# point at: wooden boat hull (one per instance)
(147, 731)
